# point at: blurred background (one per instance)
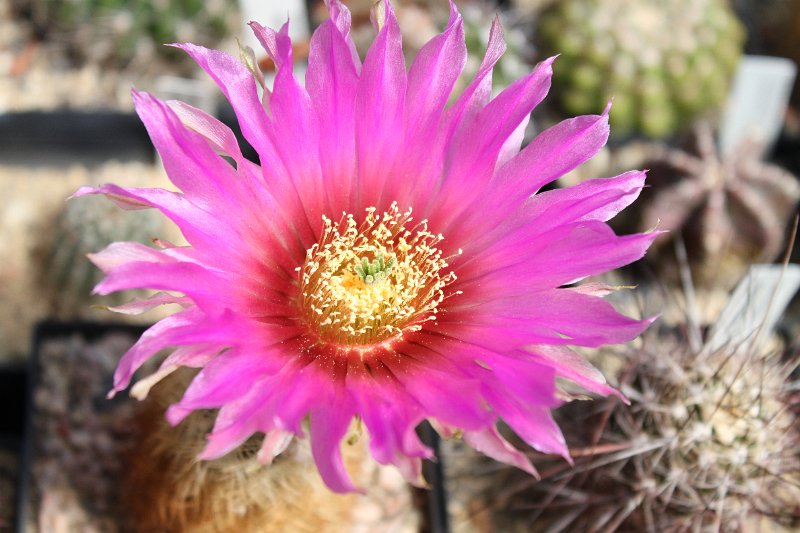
(704, 94)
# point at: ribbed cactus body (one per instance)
(731, 209)
(662, 62)
(81, 227)
(120, 30)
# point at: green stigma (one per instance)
(375, 271)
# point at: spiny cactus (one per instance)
(709, 442)
(169, 489)
(118, 30)
(78, 228)
(731, 209)
(663, 62)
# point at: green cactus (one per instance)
(81, 227)
(663, 62)
(120, 31)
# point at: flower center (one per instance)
(366, 283)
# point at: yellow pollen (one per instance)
(366, 283)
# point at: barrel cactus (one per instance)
(75, 230)
(170, 490)
(121, 31)
(709, 441)
(663, 62)
(731, 209)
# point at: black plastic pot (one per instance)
(44, 332)
(72, 137)
(13, 380)
(12, 397)
(435, 506)
(787, 153)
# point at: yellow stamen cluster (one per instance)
(366, 283)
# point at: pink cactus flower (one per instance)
(390, 260)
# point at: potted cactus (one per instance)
(663, 63)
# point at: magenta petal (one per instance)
(277, 44)
(572, 366)
(512, 145)
(526, 261)
(612, 252)
(339, 15)
(227, 378)
(118, 254)
(198, 226)
(535, 425)
(489, 442)
(328, 426)
(239, 87)
(478, 92)
(430, 81)
(391, 417)
(433, 75)
(558, 211)
(554, 316)
(296, 125)
(528, 380)
(496, 333)
(275, 443)
(598, 199)
(215, 132)
(304, 395)
(195, 356)
(178, 329)
(189, 356)
(453, 400)
(591, 320)
(142, 305)
(332, 82)
(134, 266)
(380, 109)
(240, 418)
(222, 443)
(258, 391)
(553, 153)
(188, 278)
(477, 148)
(207, 180)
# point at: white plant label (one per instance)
(757, 104)
(755, 306)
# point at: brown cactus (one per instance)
(732, 209)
